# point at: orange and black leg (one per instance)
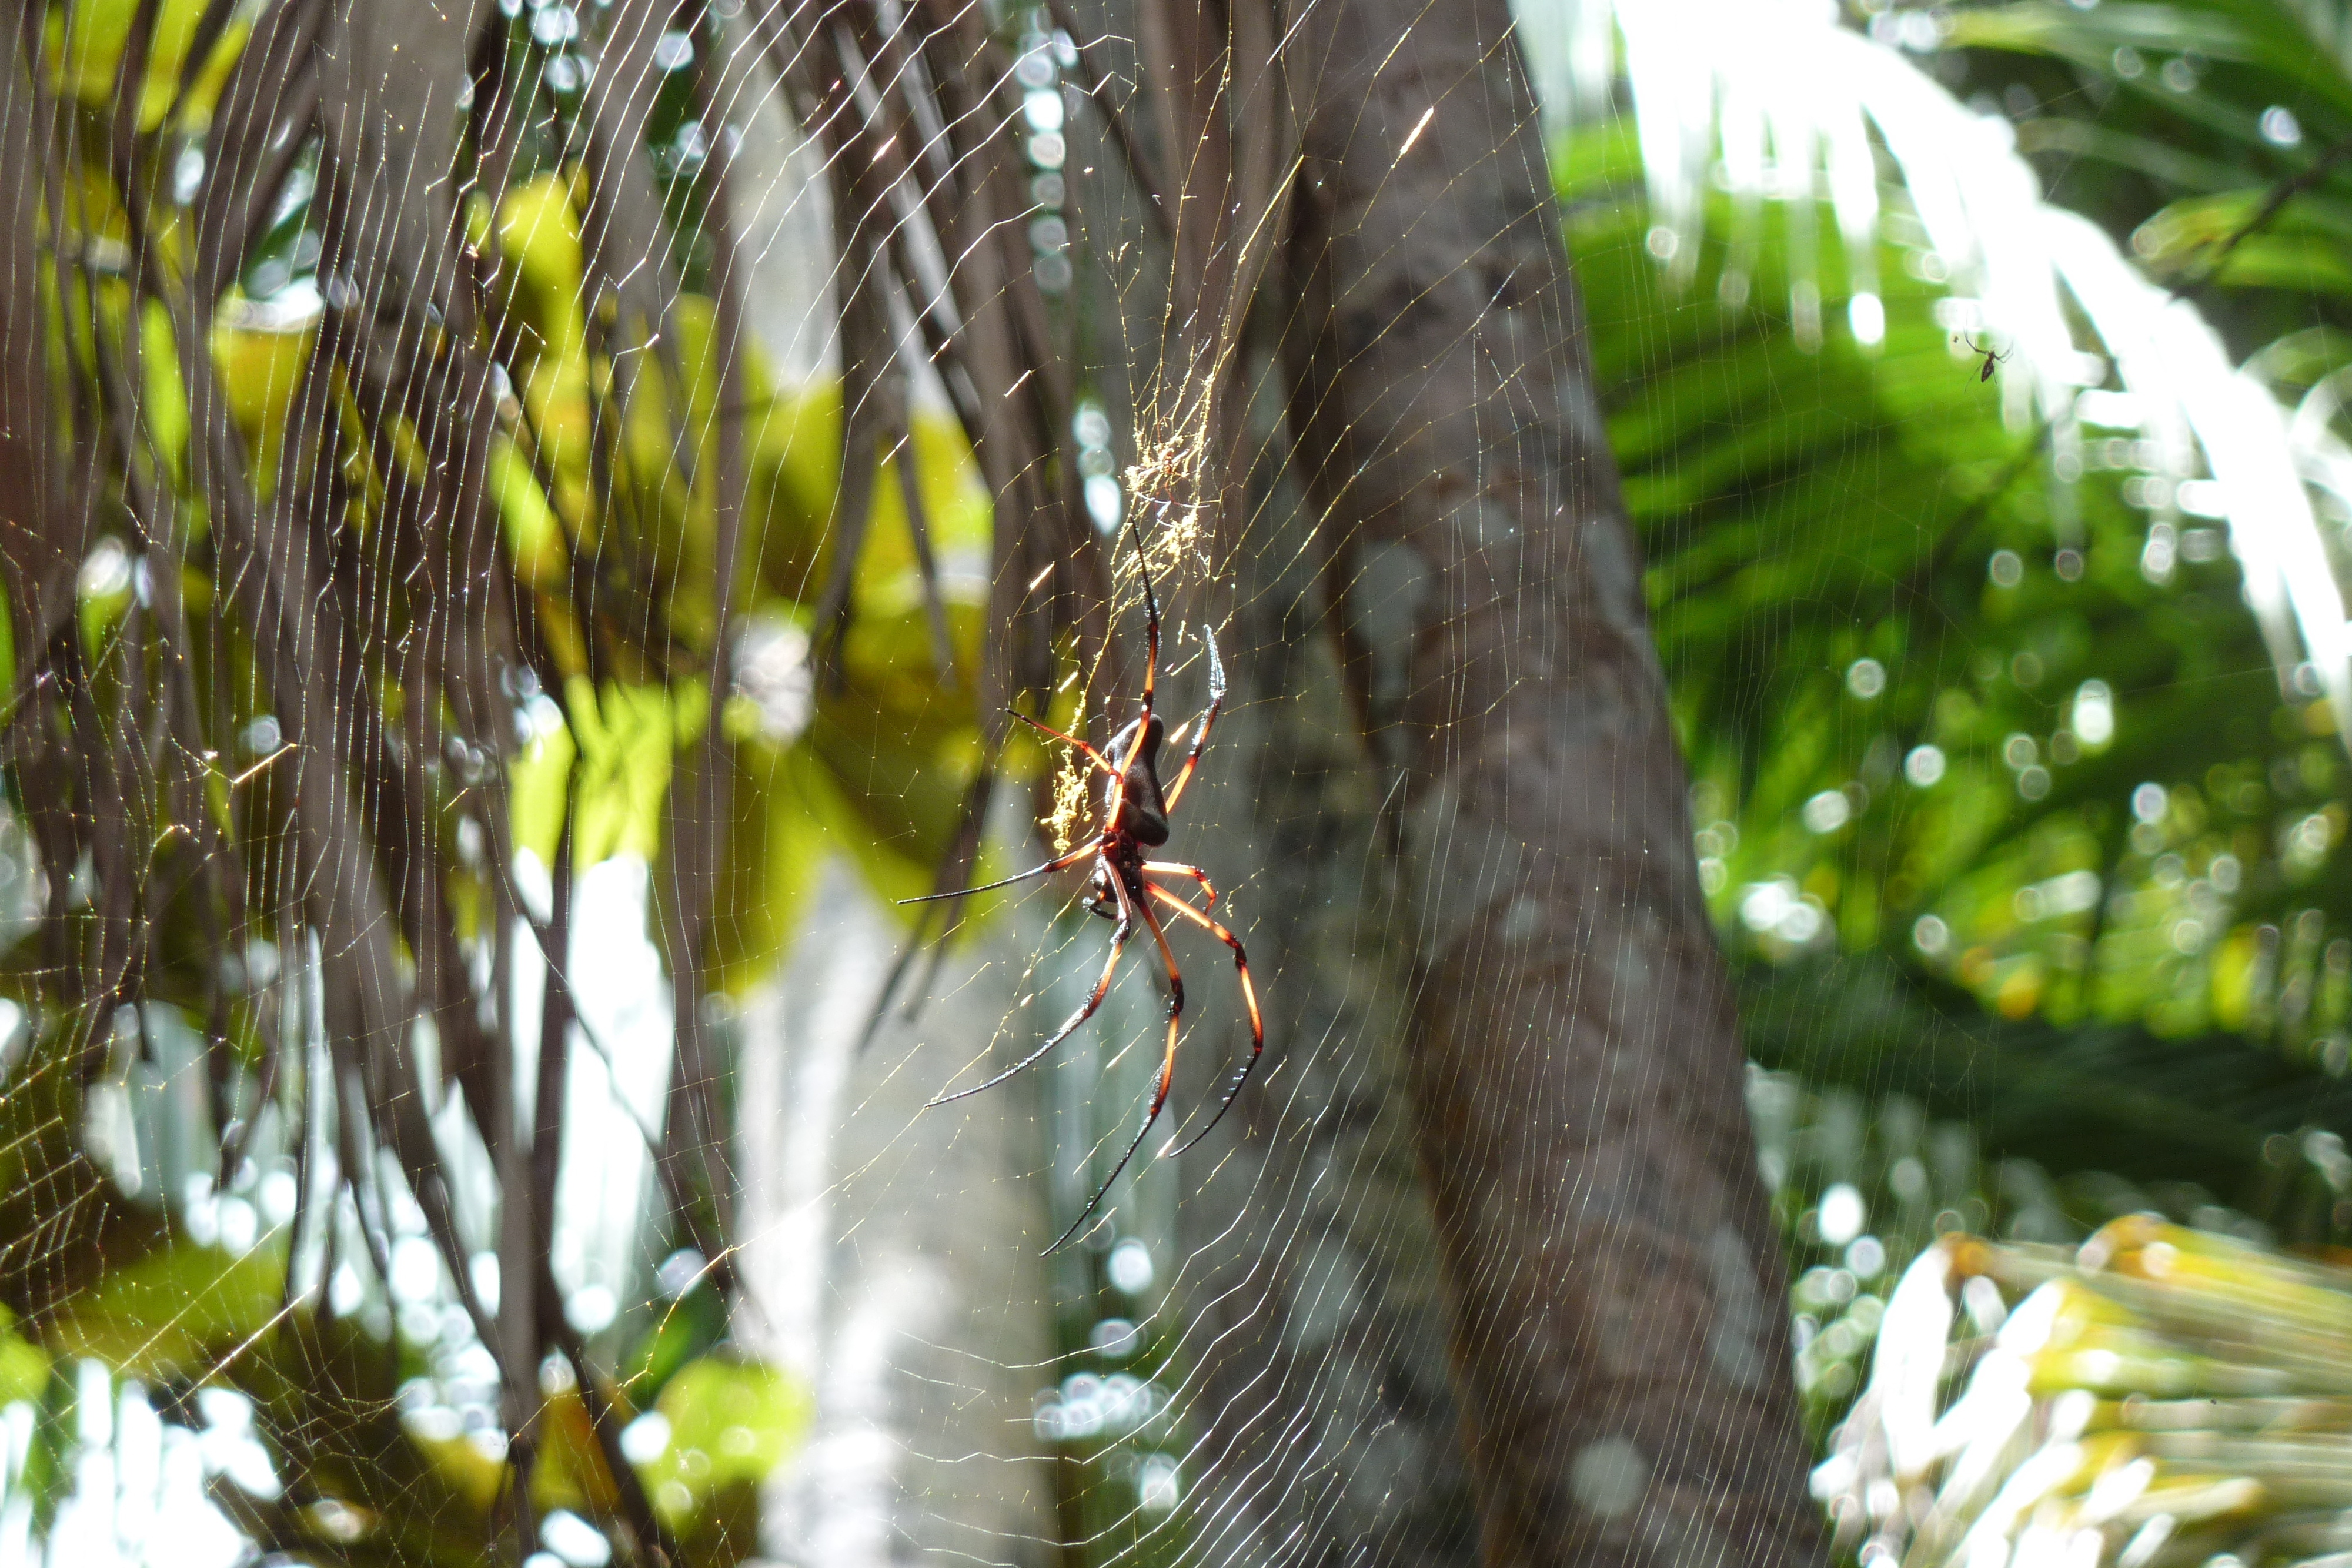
(1099, 759)
(1069, 1025)
(1059, 864)
(1249, 994)
(1177, 868)
(1166, 1066)
(1201, 738)
(1150, 631)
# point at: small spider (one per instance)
(1991, 359)
(1135, 813)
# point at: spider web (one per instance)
(1242, 1355)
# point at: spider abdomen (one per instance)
(1133, 801)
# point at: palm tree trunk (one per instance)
(1311, 1389)
(1618, 1345)
(1310, 1281)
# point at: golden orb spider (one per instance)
(1135, 812)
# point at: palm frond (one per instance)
(1785, 103)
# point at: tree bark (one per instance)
(1614, 1283)
(1311, 1280)
(1310, 1380)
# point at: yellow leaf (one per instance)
(732, 1422)
(778, 845)
(534, 537)
(23, 1366)
(539, 790)
(555, 396)
(464, 1470)
(539, 237)
(627, 737)
(86, 41)
(167, 394)
(2236, 967)
(260, 364)
(167, 1314)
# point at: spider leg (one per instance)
(1151, 624)
(1100, 760)
(1069, 1025)
(1076, 855)
(1177, 868)
(1249, 994)
(1201, 738)
(1167, 1071)
(1118, 804)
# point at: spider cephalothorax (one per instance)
(1135, 813)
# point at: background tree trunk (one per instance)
(1314, 1403)
(1459, 853)
(1312, 1282)
(1614, 1280)
(891, 1254)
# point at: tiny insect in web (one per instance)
(1991, 359)
(1122, 888)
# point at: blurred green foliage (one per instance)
(2031, 861)
(1934, 706)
